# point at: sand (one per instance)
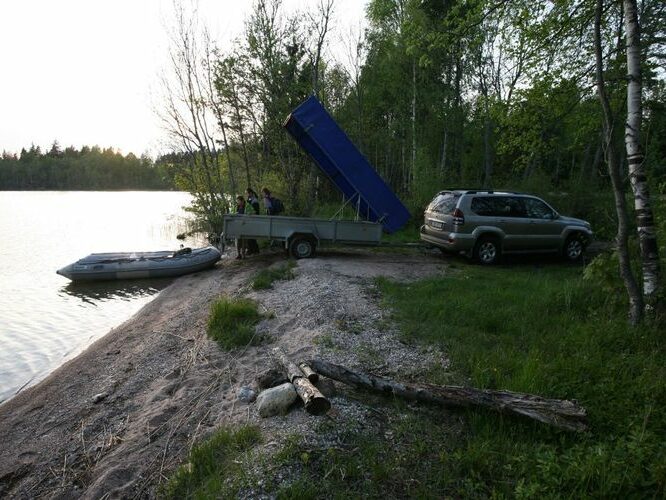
(115, 421)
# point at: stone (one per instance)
(247, 394)
(276, 400)
(99, 397)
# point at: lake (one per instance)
(44, 318)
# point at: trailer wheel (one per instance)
(302, 248)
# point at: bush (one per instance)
(213, 466)
(264, 279)
(232, 321)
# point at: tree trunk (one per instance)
(647, 231)
(413, 173)
(559, 413)
(314, 401)
(635, 298)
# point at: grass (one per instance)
(232, 322)
(214, 468)
(541, 330)
(265, 278)
(537, 329)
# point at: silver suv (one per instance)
(487, 224)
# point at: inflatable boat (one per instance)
(131, 265)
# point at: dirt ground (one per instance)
(115, 421)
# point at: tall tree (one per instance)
(647, 231)
(621, 240)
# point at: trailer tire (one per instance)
(301, 247)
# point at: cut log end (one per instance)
(318, 406)
(312, 375)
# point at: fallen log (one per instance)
(560, 413)
(312, 375)
(314, 401)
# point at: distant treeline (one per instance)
(89, 168)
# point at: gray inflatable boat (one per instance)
(131, 265)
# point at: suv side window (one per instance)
(498, 206)
(485, 206)
(444, 203)
(537, 209)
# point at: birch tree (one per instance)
(647, 231)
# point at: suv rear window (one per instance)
(444, 203)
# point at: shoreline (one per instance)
(75, 412)
(116, 420)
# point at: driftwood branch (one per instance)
(559, 413)
(314, 401)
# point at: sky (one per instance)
(86, 72)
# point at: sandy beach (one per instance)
(115, 421)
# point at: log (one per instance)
(312, 375)
(314, 401)
(560, 413)
(288, 366)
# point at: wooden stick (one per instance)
(314, 401)
(557, 412)
(312, 375)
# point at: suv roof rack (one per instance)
(479, 191)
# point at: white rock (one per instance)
(99, 397)
(247, 394)
(276, 400)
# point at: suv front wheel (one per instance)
(574, 248)
(487, 250)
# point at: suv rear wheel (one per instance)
(487, 250)
(573, 248)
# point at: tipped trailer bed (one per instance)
(301, 235)
(320, 136)
(335, 154)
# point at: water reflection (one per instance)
(94, 292)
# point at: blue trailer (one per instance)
(330, 148)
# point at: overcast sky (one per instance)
(86, 71)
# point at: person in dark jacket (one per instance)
(268, 201)
(252, 208)
(241, 247)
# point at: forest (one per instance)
(90, 168)
(497, 94)
(542, 97)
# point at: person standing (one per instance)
(252, 200)
(268, 201)
(252, 205)
(241, 247)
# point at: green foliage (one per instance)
(264, 279)
(539, 330)
(232, 322)
(545, 331)
(213, 469)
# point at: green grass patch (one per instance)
(214, 468)
(265, 278)
(542, 330)
(548, 332)
(232, 322)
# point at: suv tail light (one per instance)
(458, 217)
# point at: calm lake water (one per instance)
(44, 318)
